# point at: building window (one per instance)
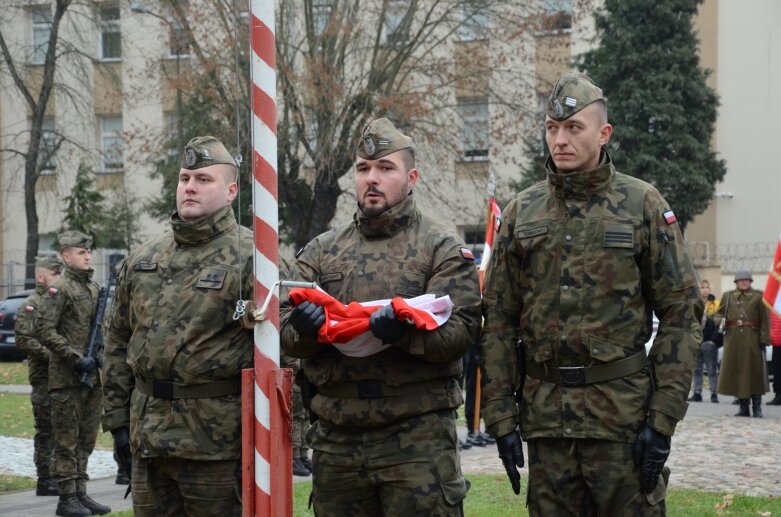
(46, 161)
(394, 31)
(172, 134)
(475, 22)
(321, 15)
(111, 143)
(475, 128)
(110, 35)
(178, 44)
(42, 24)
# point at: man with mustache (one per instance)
(174, 353)
(579, 264)
(385, 439)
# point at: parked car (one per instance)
(8, 309)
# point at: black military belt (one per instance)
(582, 375)
(732, 324)
(374, 389)
(172, 390)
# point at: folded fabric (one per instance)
(347, 326)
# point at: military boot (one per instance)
(756, 405)
(697, 397)
(92, 505)
(776, 400)
(46, 487)
(743, 408)
(70, 506)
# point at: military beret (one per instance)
(743, 275)
(75, 238)
(49, 262)
(571, 93)
(381, 138)
(203, 151)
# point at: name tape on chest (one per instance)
(532, 232)
(145, 266)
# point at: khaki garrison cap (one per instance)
(203, 151)
(49, 262)
(75, 239)
(381, 138)
(571, 93)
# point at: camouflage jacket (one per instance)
(401, 253)
(27, 339)
(579, 264)
(172, 319)
(64, 318)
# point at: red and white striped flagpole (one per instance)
(271, 465)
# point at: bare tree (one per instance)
(341, 63)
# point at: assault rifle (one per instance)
(95, 340)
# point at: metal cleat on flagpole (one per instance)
(248, 312)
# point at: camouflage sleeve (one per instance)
(306, 269)
(671, 283)
(454, 275)
(118, 379)
(501, 311)
(51, 308)
(24, 330)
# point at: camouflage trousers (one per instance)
(168, 487)
(584, 478)
(42, 441)
(75, 419)
(407, 468)
(300, 425)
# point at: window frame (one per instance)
(48, 140)
(38, 52)
(471, 135)
(109, 26)
(105, 165)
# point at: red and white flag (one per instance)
(347, 326)
(493, 221)
(772, 296)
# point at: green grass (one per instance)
(491, 496)
(13, 373)
(11, 483)
(17, 419)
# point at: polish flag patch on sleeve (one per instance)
(53, 291)
(467, 254)
(29, 308)
(669, 216)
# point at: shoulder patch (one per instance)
(669, 216)
(467, 254)
(53, 291)
(29, 308)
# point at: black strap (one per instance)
(375, 389)
(172, 390)
(582, 375)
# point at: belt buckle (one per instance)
(572, 375)
(369, 389)
(163, 389)
(740, 323)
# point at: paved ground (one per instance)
(711, 450)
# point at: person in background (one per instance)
(47, 271)
(708, 354)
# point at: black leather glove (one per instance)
(386, 326)
(650, 454)
(511, 454)
(122, 449)
(307, 318)
(86, 365)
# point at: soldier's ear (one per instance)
(412, 177)
(605, 132)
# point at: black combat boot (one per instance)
(776, 400)
(46, 487)
(70, 506)
(697, 397)
(121, 478)
(299, 469)
(743, 408)
(756, 405)
(306, 463)
(714, 398)
(92, 505)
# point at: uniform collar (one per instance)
(580, 184)
(40, 288)
(192, 233)
(82, 275)
(389, 222)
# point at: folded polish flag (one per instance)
(347, 326)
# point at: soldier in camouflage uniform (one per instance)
(174, 353)
(746, 334)
(384, 442)
(580, 263)
(47, 270)
(65, 315)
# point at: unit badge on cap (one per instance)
(558, 110)
(368, 145)
(190, 158)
